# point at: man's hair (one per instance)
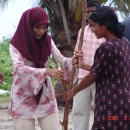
(93, 3)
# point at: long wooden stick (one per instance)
(67, 104)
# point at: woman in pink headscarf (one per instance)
(32, 94)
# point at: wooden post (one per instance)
(67, 104)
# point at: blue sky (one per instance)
(9, 17)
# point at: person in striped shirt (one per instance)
(83, 100)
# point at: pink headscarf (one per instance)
(35, 50)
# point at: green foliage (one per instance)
(53, 80)
(52, 65)
(5, 64)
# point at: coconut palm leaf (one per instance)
(64, 21)
(78, 11)
(3, 4)
(123, 6)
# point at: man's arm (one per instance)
(83, 65)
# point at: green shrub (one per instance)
(52, 65)
(6, 64)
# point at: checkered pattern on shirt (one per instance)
(90, 44)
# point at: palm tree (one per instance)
(65, 19)
(65, 22)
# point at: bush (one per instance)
(6, 64)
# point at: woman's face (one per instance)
(97, 29)
(38, 31)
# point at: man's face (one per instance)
(89, 11)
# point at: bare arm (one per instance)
(83, 65)
(87, 81)
(78, 55)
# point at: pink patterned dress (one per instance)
(28, 80)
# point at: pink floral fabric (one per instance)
(28, 80)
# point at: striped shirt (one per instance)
(90, 44)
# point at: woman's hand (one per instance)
(74, 60)
(55, 73)
(69, 94)
(77, 55)
(78, 59)
(1, 77)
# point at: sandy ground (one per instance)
(6, 122)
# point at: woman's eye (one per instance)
(38, 27)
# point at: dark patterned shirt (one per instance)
(112, 103)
